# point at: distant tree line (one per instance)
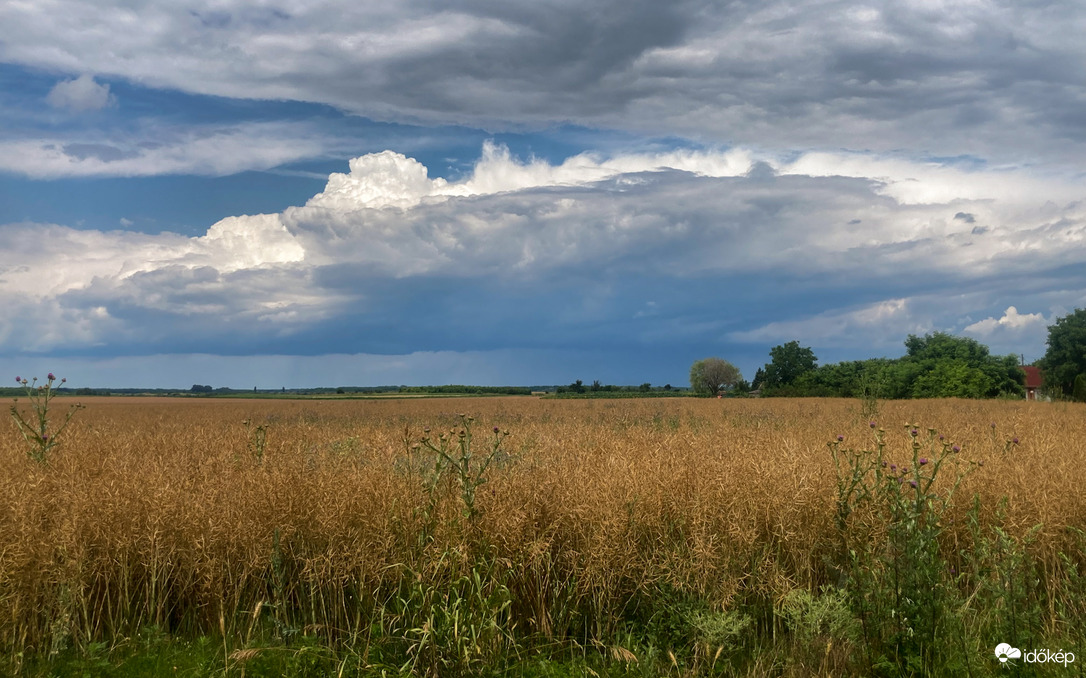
(475, 390)
(596, 388)
(936, 365)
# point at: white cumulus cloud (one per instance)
(1011, 321)
(81, 94)
(386, 227)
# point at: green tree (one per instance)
(942, 356)
(952, 379)
(1078, 394)
(1065, 358)
(788, 362)
(759, 379)
(713, 375)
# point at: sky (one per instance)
(281, 194)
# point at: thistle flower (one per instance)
(1014, 440)
(871, 424)
(840, 438)
(956, 448)
(914, 433)
(912, 483)
(923, 461)
(496, 429)
(18, 380)
(52, 376)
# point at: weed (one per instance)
(257, 439)
(36, 431)
(890, 515)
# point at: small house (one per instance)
(1033, 381)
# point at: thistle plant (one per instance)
(890, 515)
(454, 613)
(452, 453)
(36, 428)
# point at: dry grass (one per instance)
(155, 511)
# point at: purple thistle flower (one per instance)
(52, 376)
(993, 424)
(495, 429)
(956, 448)
(18, 380)
(912, 483)
(942, 437)
(884, 463)
(1014, 440)
(893, 467)
(840, 438)
(914, 433)
(904, 470)
(871, 424)
(923, 460)
(45, 437)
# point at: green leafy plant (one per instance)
(453, 613)
(890, 515)
(258, 439)
(38, 432)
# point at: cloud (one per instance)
(501, 367)
(1011, 321)
(80, 95)
(155, 149)
(617, 250)
(997, 81)
(882, 323)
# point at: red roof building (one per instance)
(1033, 381)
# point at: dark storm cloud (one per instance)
(998, 80)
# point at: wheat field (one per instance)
(189, 514)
